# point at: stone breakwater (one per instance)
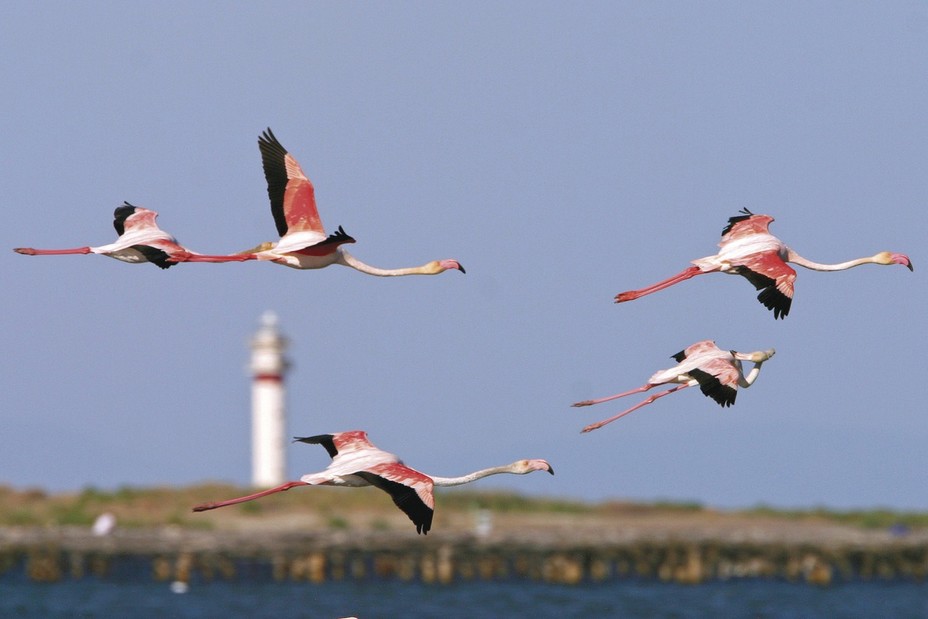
(172, 554)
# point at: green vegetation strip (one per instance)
(145, 507)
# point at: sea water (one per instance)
(367, 600)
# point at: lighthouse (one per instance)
(268, 406)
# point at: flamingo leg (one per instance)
(613, 397)
(631, 295)
(250, 497)
(231, 258)
(595, 426)
(28, 251)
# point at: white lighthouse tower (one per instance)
(268, 406)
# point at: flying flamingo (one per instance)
(303, 242)
(357, 462)
(140, 240)
(717, 372)
(748, 249)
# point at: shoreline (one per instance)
(681, 556)
(331, 534)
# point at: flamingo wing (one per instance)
(328, 245)
(156, 256)
(718, 379)
(131, 217)
(410, 490)
(700, 348)
(773, 277)
(353, 454)
(340, 443)
(745, 225)
(293, 198)
(139, 231)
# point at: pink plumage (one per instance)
(140, 240)
(357, 462)
(748, 249)
(718, 373)
(303, 243)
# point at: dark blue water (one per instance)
(367, 600)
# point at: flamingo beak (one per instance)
(451, 264)
(539, 465)
(902, 259)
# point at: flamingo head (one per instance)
(522, 467)
(265, 246)
(440, 266)
(754, 357)
(899, 259)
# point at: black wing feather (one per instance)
(775, 300)
(120, 215)
(338, 237)
(155, 256)
(405, 498)
(770, 295)
(713, 387)
(326, 440)
(738, 218)
(273, 159)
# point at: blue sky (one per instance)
(562, 152)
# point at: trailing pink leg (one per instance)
(28, 251)
(631, 295)
(613, 397)
(595, 426)
(230, 258)
(250, 497)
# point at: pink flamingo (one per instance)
(303, 242)
(717, 372)
(356, 462)
(748, 249)
(140, 240)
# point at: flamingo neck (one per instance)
(348, 260)
(466, 479)
(841, 266)
(748, 380)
